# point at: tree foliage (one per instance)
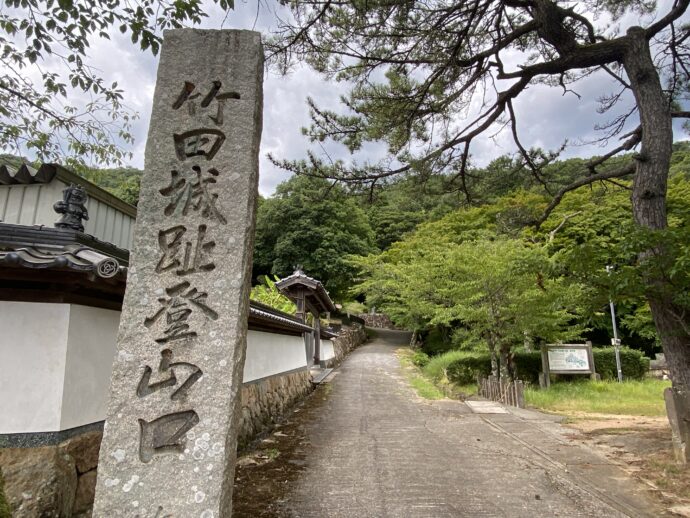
(417, 67)
(311, 224)
(123, 182)
(441, 275)
(491, 291)
(431, 77)
(267, 293)
(54, 105)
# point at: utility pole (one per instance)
(615, 341)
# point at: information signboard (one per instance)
(566, 359)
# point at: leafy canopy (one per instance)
(53, 104)
(311, 224)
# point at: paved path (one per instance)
(364, 445)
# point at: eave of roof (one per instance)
(70, 257)
(44, 248)
(319, 293)
(266, 313)
(16, 236)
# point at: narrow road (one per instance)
(364, 445)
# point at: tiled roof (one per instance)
(26, 174)
(70, 257)
(50, 249)
(299, 278)
(266, 313)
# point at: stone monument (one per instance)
(169, 441)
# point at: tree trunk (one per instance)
(413, 340)
(492, 351)
(506, 367)
(649, 200)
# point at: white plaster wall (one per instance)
(90, 351)
(33, 350)
(56, 361)
(269, 354)
(327, 350)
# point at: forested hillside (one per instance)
(471, 272)
(483, 275)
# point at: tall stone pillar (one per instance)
(170, 435)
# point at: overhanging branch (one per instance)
(617, 173)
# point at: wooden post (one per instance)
(590, 355)
(520, 389)
(301, 312)
(317, 339)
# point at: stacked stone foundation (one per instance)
(348, 339)
(377, 320)
(59, 480)
(265, 401)
(54, 480)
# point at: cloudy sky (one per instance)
(546, 116)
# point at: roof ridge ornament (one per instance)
(73, 208)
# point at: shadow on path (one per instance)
(364, 445)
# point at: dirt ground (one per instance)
(266, 468)
(642, 447)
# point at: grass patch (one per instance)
(272, 453)
(467, 390)
(437, 366)
(425, 388)
(431, 381)
(643, 398)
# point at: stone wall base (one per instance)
(52, 481)
(265, 401)
(59, 481)
(377, 320)
(348, 339)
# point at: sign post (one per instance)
(566, 359)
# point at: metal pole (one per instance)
(616, 341)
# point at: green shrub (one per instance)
(527, 365)
(436, 342)
(5, 511)
(438, 365)
(465, 370)
(465, 367)
(635, 365)
(420, 358)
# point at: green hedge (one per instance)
(635, 364)
(465, 370)
(528, 365)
